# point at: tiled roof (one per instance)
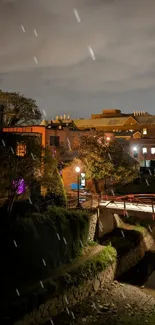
(145, 119)
(101, 121)
(113, 121)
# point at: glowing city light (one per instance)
(77, 169)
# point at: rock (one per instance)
(105, 308)
(115, 281)
(100, 306)
(84, 319)
(96, 285)
(128, 306)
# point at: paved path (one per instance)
(118, 304)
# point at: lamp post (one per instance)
(145, 156)
(77, 169)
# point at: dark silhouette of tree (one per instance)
(18, 110)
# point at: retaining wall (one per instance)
(90, 286)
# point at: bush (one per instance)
(52, 238)
(90, 268)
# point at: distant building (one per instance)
(136, 132)
(137, 128)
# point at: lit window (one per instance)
(144, 150)
(21, 149)
(144, 131)
(153, 151)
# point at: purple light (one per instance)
(20, 186)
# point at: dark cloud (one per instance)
(66, 79)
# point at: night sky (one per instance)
(78, 57)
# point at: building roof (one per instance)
(145, 119)
(107, 121)
(114, 121)
(44, 123)
(100, 122)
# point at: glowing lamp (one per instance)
(77, 169)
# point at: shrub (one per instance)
(90, 268)
(52, 238)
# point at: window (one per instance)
(21, 149)
(153, 151)
(144, 150)
(144, 131)
(54, 141)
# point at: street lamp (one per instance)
(77, 169)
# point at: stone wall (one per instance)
(89, 287)
(135, 255)
(92, 226)
(106, 222)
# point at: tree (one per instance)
(18, 110)
(15, 169)
(103, 160)
(36, 166)
(51, 179)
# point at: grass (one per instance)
(90, 268)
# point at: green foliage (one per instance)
(37, 168)
(16, 168)
(92, 243)
(51, 178)
(54, 236)
(19, 110)
(90, 268)
(102, 159)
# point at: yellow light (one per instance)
(77, 169)
(108, 138)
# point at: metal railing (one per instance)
(90, 201)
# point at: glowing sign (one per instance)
(19, 186)
(83, 179)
